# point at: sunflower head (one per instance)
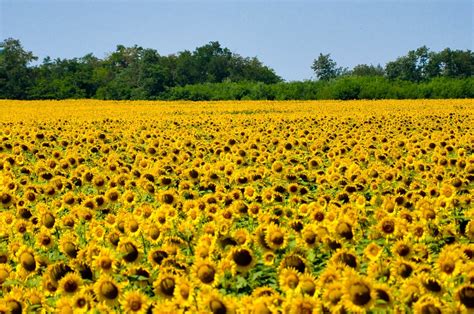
(359, 294)
(134, 302)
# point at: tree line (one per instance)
(214, 72)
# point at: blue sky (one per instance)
(285, 35)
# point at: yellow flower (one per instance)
(70, 284)
(134, 302)
(372, 251)
(107, 290)
(276, 237)
(359, 294)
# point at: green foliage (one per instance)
(212, 72)
(15, 75)
(344, 88)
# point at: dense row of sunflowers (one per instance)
(249, 207)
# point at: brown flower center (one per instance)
(206, 273)
(242, 258)
(360, 294)
(167, 286)
(109, 290)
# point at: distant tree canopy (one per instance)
(127, 73)
(417, 66)
(212, 71)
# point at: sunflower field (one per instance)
(237, 207)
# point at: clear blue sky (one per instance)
(285, 35)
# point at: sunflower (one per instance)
(384, 299)
(308, 236)
(35, 298)
(276, 237)
(165, 284)
(5, 273)
(64, 305)
(134, 302)
(429, 304)
(107, 290)
(345, 258)
(373, 251)
(130, 250)
(105, 261)
(403, 268)
(332, 296)
(212, 301)
(205, 272)
(359, 294)
(295, 260)
(83, 301)
(301, 304)
(242, 258)
(402, 249)
(307, 284)
(112, 195)
(288, 279)
(447, 263)
(241, 236)
(344, 230)
(183, 291)
(27, 261)
(465, 297)
(388, 226)
(70, 284)
(67, 245)
(156, 256)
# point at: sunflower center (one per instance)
(432, 285)
(430, 309)
(106, 264)
(135, 305)
(310, 237)
(345, 230)
(167, 286)
(15, 307)
(466, 296)
(109, 290)
(81, 302)
(335, 296)
(217, 307)
(45, 240)
(277, 238)
(28, 261)
(403, 250)
(448, 268)
(206, 273)
(131, 252)
(360, 294)
(70, 286)
(242, 258)
(383, 295)
(296, 262)
(405, 270)
(348, 259)
(3, 275)
(184, 291)
(308, 287)
(292, 281)
(168, 198)
(70, 249)
(388, 227)
(48, 220)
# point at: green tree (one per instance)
(15, 75)
(326, 68)
(368, 70)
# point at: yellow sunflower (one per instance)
(359, 294)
